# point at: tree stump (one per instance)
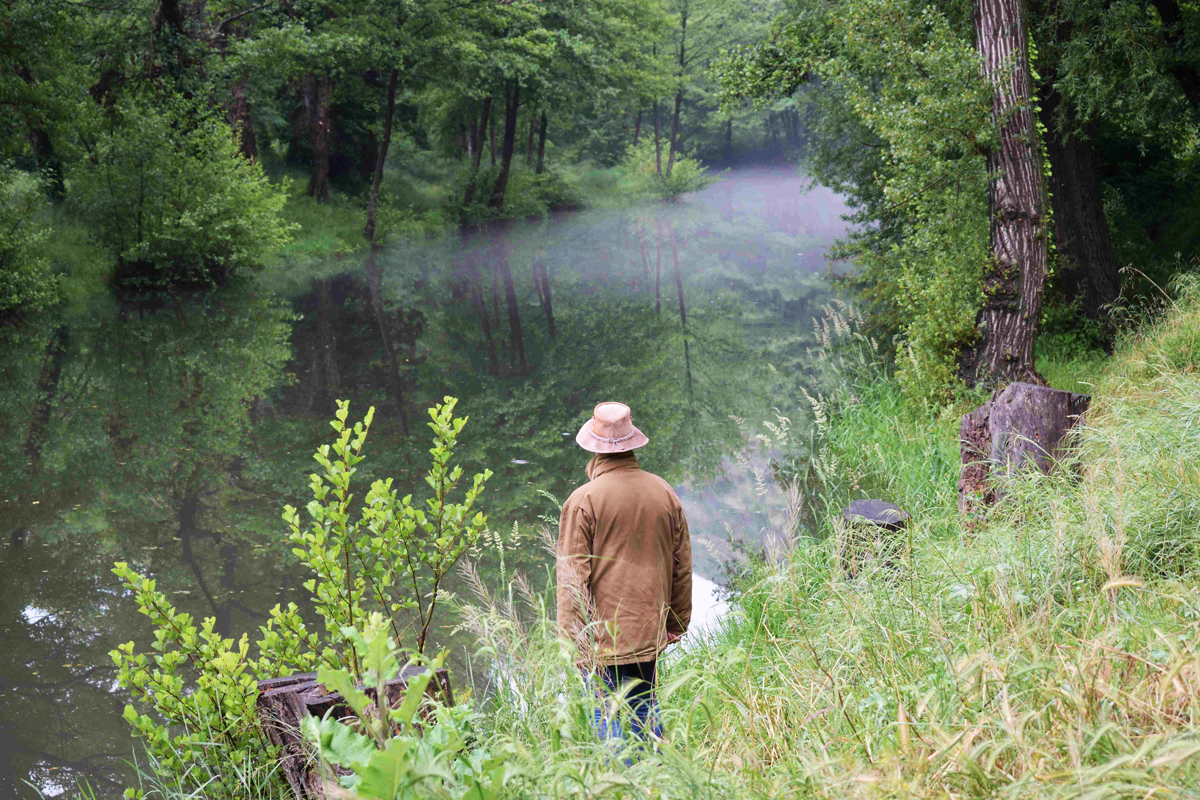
(867, 528)
(283, 703)
(1023, 426)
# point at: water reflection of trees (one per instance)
(133, 423)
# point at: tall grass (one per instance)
(1054, 651)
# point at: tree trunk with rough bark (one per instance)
(683, 21)
(529, 142)
(389, 113)
(512, 104)
(1086, 259)
(637, 127)
(492, 138)
(657, 143)
(318, 101)
(1015, 277)
(541, 146)
(674, 132)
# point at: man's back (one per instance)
(624, 560)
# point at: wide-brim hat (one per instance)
(610, 430)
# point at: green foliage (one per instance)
(901, 124)
(26, 287)
(416, 749)
(396, 555)
(201, 722)
(174, 203)
(641, 178)
(201, 687)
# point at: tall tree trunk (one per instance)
(729, 140)
(657, 143)
(1015, 277)
(492, 138)
(47, 391)
(389, 113)
(477, 152)
(1086, 258)
(529, 143)
(318, 101)
(237, 114)
(637, 127)
(512, 104)
(674, 132)
(683, 21)
(541, 156)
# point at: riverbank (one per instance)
(1052, 652)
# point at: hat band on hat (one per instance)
(614, 440)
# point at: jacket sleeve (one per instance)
(574, 566)
(681, 580)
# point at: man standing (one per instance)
(624, 566)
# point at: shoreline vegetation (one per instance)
(1048, 651)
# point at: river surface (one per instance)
(171, 435)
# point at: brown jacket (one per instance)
(624, 563)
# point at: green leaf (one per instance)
(339, 743)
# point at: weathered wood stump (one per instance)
(867, 528)
(1023, 426)
(284, 702)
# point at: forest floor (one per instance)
(1052, 651)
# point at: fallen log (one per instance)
(284, 702)
(1023, 426)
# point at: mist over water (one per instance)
(179, 433)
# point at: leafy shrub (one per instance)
(202, 726)
(640, 176)
(26, 286)
(170, 197)
(389, 752)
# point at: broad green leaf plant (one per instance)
(400, 752)
(380, 565)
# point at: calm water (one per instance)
(171, 437)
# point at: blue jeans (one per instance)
(641, 701)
